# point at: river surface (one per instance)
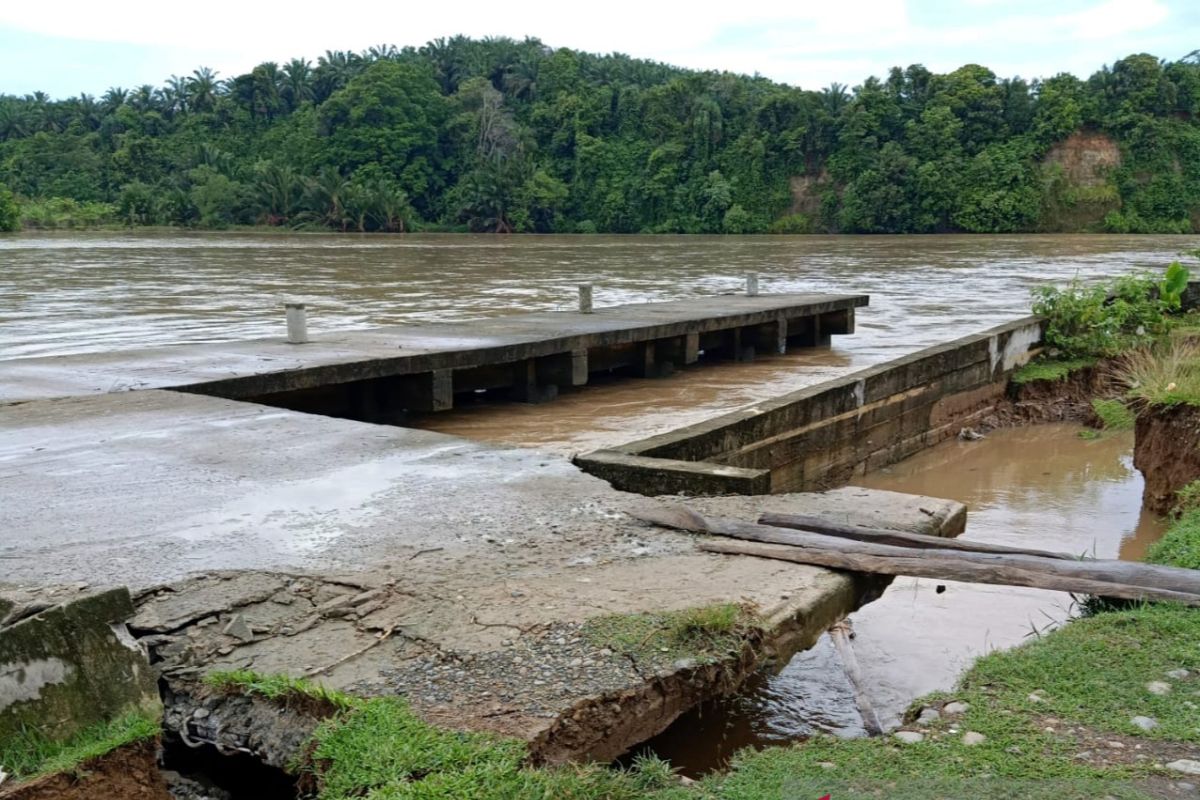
(1041, 487)
(93, 292)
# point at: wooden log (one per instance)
(923, 564)
(1129, 573)
(804, 522)
(840, 634)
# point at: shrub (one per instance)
(1102, 320)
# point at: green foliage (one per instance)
(1050, 369)
(1173, 285)
(1101, 320)
(10, 214)
(1114, 415)
(1187, 499)
(505, 135)
(31, 754)
(63, 212)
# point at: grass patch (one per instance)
(283, 689)
(1180, 546)
(1114, 415)
(1050, 369)
(30, 754)
(1168, 374)
(381, 750)
(706, 634)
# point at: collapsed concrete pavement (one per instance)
(385, 560)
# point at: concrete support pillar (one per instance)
(680, 350)
(528, 386)
(838, 323)
(741, 346)
(771, 338)
(579, 367)
(427, 391)
(585, 298)
(808, 332)
(297, 323)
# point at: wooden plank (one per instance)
(1148, 576)
(920, 564)
(803, 522)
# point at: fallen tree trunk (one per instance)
(921, 564)
(1176, 582)
(840, 634)
(803, 522)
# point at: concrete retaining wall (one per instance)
(821, 436)
(71, 666)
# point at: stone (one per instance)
(1036, 697)
(1158, 687)
(909, 737)
(1187, 766)
(1178, 674)
(972, 738)
(826, 765)
(928, 715)
(1145, 723)
(238, 629)
(955, 708)
(1115, 745)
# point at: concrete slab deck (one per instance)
(255, 367)
(389, 560)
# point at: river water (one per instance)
(90, 292)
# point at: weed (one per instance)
(1168, 374)
(1186, 499)
(706, 633)
(1114, 415)
(1101, 320)
(1180, 546)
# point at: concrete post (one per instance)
(297, 323)
(751, 284)
(585, 298)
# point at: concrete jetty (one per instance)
(367, 374)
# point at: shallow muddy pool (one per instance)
(1040, 486)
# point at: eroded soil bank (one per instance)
(1167, 452)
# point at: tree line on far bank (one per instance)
(499, 135)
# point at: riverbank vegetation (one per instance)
(501, 135)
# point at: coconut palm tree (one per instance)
(202, 89)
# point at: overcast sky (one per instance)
(65, 48)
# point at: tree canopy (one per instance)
(515, 136)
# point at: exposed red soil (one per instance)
(127, 773)
(1167, 452)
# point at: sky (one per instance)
(65, 47)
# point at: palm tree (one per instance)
(325, 197)
(143, 98)
(279, 191)
(202, 89)
(114, 98)
(835, 97)
(297, 87)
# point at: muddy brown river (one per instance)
(1044, 486)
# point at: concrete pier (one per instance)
(421, 367)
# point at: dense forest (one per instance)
(514, 136)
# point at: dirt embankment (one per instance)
(1067, 399)
(1082, 193)
(1167, 452)
(127, 773)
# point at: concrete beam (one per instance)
(659, 476)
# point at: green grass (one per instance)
(381, 750)
(1180, 547)
(704, 634)
(31, 754)
(1050, 369)
(281, 688)
(1114, 415)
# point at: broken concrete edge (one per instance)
(736, 453)
(73, 668)
(663, 476)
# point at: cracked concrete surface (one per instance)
(388, 560)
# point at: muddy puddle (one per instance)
(1040, 486)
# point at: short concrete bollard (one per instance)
(751, 284)
(297, 323)
(585, 298)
